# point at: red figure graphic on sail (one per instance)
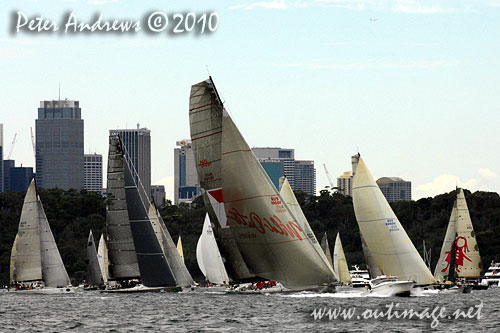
(459, 254)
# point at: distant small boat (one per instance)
(340, 263)
(94, 274)
(179, 248)
(36, 264)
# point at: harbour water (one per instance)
(92, 311)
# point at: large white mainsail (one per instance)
(53, 271)
(340, 263)
(102, 256)
(442, 269)
(28, 261)
(205, 120)
(208, 256)
(270, 240)
(390, 246)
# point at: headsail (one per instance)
(326, 249)
(121, 249)
(53, 271)
(205, 119)
(390, 246)
(28, 261)
(443, 265)
(208, 256)
(370, 262)
(102, 255)
(340, 263)
(94, 275)
(179, 269)
(13, 259)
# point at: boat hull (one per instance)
(45, 291)
(395, 288)
(142, 289)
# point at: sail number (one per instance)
(391, 225)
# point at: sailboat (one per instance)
(102, 257)
(179, 248)
(94, 274)
(459, 239)
(37, 266)
(270, 241)
(392, 250)
(340, 263)
(209, 258)
(326, 249)
(133, 250)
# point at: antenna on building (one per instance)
(208, 71)
(59, 93)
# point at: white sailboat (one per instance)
(391, 248)
(179, 248)
(459, 236)
(269, 237)
(208, 256)
(340, 263)
(326, 249)
(102, 257)
(36, 261)
(94, 274)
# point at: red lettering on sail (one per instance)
(459, 254)
(262, 225)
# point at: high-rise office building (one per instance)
(59, 145)
(186, 183)
(1, 158)
(395, 188)
(137, 148)
(20, 178)
(158, 195)
(92, 169)
(7, 165)
(301, 174)
(344, 183)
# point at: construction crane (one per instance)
(330, 180)
(12, 146)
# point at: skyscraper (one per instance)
(59, 145)
(186, 183)
(344, 183)
(301, 174)
(158, 195)
(1, 158)
(92, 172)
(137, 147)
(20, 178)
(6, 166)
(395, 188)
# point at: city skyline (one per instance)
(413, 92)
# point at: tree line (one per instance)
(72, 214)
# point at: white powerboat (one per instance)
(492, 276)
(387, 285)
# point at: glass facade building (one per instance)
(92, 169)
(186, 184)
(395, 188)
(59, 145)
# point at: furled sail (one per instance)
(121, 249)
(53, 271)
(269, 238)
(340, 263)
(293, 206)
(467, 260)
(443, 265)
(208, 256)
(94, 275)
(13, 259)
(177, 266)
(153, 265)
(370, 262)
(102, 255)
(28, 261)
(326, 249)
(205, 119)
(390, 246)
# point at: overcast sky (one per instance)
(413, 85)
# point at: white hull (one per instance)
(141, 289)
(45, 291)
(249, 289)
(394, 288)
